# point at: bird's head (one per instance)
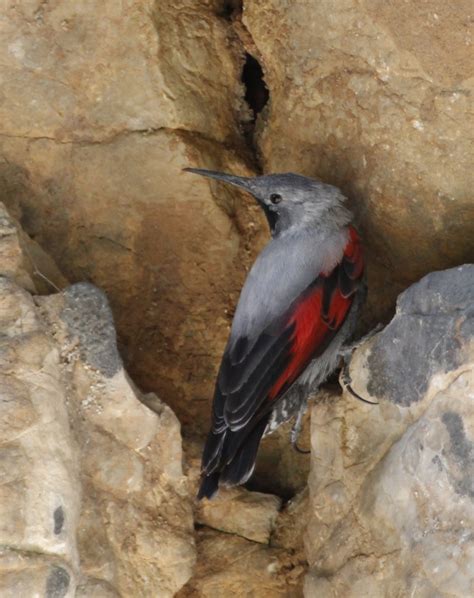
(290, 201)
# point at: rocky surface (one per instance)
(93, 498)
(24, 261)
(229, 565)
(376, 97)
(247, 543)
(391, 486)
(369, 95)
(124, 96)
(251, 515)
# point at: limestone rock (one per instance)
(23, 260)
(125, 96)
(376, 97)
(251, 515)
(236, 526)
(131, 458)
(291, 524)
(143, 67)
(229, 565)
(391, 486)
(92, 489)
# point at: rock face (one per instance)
(391, 487)
(372, 96)
(93, 499)
(24, 260)
(376, 97)
(124, 96)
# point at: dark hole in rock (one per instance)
(57, 583)
(230, 9)
(58, 516)
(256, 91)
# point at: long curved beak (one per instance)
(238, 181)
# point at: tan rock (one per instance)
(391, 485)
(130, 458)
(290, 527)
(92, 168)
(91, 484)
(130, 242)
(251, 515)
(28, 574)
(23, 260)
(144, 69)
(375, 97)
(232, 566)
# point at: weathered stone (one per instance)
(30, 574)
(93, 588)
(291, 524)
(391, 487)
(93, 170)
(23, 260)
(376, 97)
(229, 565)
(251, 515)
(250, 525)
(37, 443)
(144, 69)
(130, 458)
(91, 484)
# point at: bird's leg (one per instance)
(346, 354)
(347, 350)
(296, 429)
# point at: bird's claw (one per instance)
(346, 354)
(296, 429)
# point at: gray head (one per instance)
(290, 201)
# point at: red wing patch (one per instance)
(321, 312)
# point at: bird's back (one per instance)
(286, 266)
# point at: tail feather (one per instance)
(212, 451)
(239, 469)
(209, 485)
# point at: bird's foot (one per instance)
(296, 429)
(346, 354)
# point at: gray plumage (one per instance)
(296, 309)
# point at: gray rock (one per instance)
(88, 317)
(434, 322)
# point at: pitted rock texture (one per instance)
(229, 565)
(391, 486)
(437, 315)
(93, 497)
(376, 97)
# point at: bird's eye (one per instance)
(275, 198)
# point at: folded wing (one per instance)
(256, 372)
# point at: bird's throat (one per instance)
(272, 217)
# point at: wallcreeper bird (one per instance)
(297, 308)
